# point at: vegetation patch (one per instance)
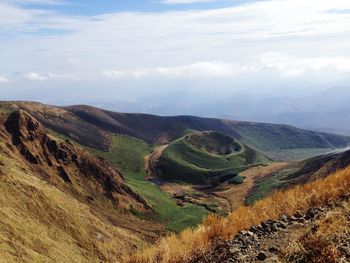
(128, 154)
(237, 180)
(296, 154)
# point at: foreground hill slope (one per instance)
(218, 236)
(93, 127)
(58, 201)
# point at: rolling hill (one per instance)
(205, 158)
(94, 127)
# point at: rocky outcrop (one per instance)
(66, 166)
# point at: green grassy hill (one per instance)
(206, 158)
(128, 154)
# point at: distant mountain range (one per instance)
(326, 111)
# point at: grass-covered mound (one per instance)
(206, 158)
(128, 155)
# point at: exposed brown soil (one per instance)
(67, 123)
(152, 159)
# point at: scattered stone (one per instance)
(249, 233)
(310, 214)
(264, 225)
(283, 225)
(235, 250)
(298, 215)
(273, 250)
(261, 256)
(284, 218)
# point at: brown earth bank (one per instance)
(56, 196)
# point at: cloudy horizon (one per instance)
(73, 51)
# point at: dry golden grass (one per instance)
(39, 223)
(188, 244)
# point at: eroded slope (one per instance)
(58, 201)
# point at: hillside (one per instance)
(137, 177)
(205, 158)
(59, 200)
(299, 173)
(241, 236)
(94, 127)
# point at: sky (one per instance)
(141, 52)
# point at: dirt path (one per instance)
(235, 194)
(297, 237)
(151, 159)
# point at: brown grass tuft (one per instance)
(188, 244)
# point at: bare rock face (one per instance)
(67, 166)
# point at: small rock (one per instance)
(293, 218)
(264, 225)
(310, 214)
(249, 233)
(298, 215)
(234, 250)
(282, 225)
(261, 256)
(301, 220)
(273, 250)
(275, 227)
(259, 228)
(284, 218)
(253, 229)
(244, 233)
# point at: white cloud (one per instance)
(4, 79)
(34, 76)
(287, 38)
(281, 64)
(203, 69)
(290, 66)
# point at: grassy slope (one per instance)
(180, 248)
(39, 223)
(267, 186)
(284, 143)
(300, 172)
(128, 154)
(181, 161)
